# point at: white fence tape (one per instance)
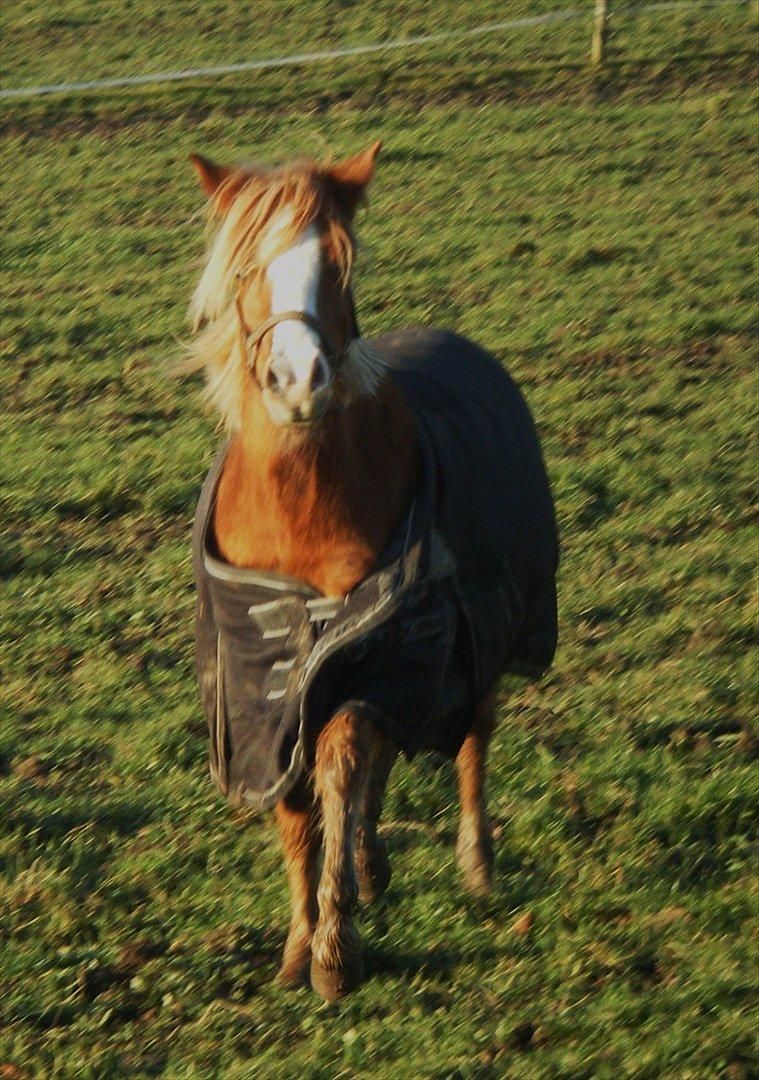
(337, 54)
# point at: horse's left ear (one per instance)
(351, 177)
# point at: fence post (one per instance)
(599, 32)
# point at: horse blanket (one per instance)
(464, 592)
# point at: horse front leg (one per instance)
(373, 868)
(344, 753)
(297, 818)
(474, 849)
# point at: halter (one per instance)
(250, 340)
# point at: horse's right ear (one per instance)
(211, 176)
(215, 177)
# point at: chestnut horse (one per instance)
(322, 465)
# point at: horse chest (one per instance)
(330, 539)
(330, 560)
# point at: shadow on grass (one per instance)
(434, 962)
(48, 821)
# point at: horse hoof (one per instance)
(292, 976)
(373, 874)
(333, 985)
(476, 864)
(296, 960)
(479, 881)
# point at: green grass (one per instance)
(600, 236)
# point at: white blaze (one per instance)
(294, 280)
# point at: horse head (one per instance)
(274, 301)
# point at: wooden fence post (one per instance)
(599, 32)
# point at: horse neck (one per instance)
(319, 507)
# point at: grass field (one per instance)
(600, 236)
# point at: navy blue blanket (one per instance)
(464, 593)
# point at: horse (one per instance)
(359, 593)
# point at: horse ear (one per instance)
(211, 176)
(351, 177)
(220, 182)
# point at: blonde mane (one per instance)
(268, 210)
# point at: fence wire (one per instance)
(319, 56)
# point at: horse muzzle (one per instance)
(297, 393)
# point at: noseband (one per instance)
(250, 340)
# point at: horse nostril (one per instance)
(318, 375)
(272, 382)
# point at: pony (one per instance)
(324, 468)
